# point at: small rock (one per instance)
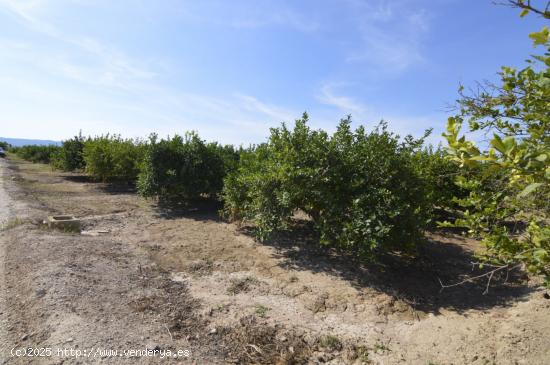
(152, 346)
(546, 296)
(213, 330)
(24, 337)
(40, 292)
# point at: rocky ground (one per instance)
(141, 276)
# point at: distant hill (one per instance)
(21, 142)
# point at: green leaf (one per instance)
(509, 142)
(524, 12)
(529, 189)
(540, 37)
(482, 158)
(498, 145)
(540, 255)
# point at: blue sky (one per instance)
(232, 69)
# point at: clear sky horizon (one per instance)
(232, 69)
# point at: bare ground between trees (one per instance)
(182, 279)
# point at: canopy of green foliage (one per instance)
(113, 159)
(36, 153)
(509, 197)
(439, 174)
(179, 169)
(70, 157)
(361, 189)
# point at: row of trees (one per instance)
(35, 153)
(365, 192)
(173, 169)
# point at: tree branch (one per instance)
(489, 275)
(526, 5)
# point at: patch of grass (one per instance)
(363, 354)
(261, 310)
(240, 285)
(331, 343)
(251, 342)
(357, 354)
(12, 223)
(201, 267)
(381, 347)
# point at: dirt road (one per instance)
(144, 277)
(72, 299)
(4, 218)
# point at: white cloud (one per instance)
(79, 82)
(367, 114)
(85, 59)
(344, 103)
(386, 52)
(284, 17)
(391, 34)
(251, 103)
(27, 11)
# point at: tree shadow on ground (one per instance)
(113, 188)
(78, 178)
(203, 209)
(413, 280)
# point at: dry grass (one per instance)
(251, 342)
(12, 223)
(331, 343)
(242, 285)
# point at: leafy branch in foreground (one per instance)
(508, 203)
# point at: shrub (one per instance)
(35, 153)
(183, 168)
(440, 175)
(113, 159)
(70, 156)
(360, 189)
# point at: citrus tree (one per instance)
(361, 189)
(179, 169)
(113, 159)
(70, 156)
(509, 192)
